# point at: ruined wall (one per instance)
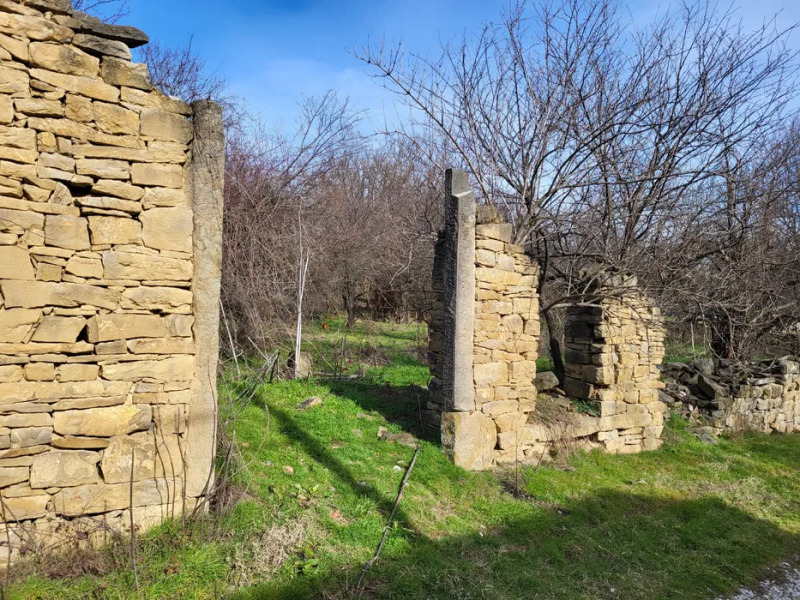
(723, 396)
(110, 224)
(612, 354)
(483, 342)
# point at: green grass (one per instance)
(689, 521)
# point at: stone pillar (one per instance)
(206, 181)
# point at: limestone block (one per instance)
(115, 119)
(31, 436)
(99, 45)
(83, 86)
(17, 48)
(48, 272)
(162, 125)
(17, 323)
(11, 393)
(10, 373)
(500, 407)
(12, 475)
(17, 137)
(80, 443)
(64, 468)
(67, 59)
(124, 73)
(15, 263)
(179, 325)
(168, 176)
(99, 498)
(490, 374)
(168, 228)
(77, 372)
(153, 456)
(6, 109)
(40, 107)
(82, 131)
(113, 230)
(119, 264)
(85, 403)
(157, 298)
(165, 197)
(39, 372)
(103, 328)
(157, 100)
(162, 346)
(25, 508)
(79, 108)
(13, 82)
(179, 366)
(166, 152)
(34, 294)
(103, 168)
(59, 329)
(169, 420)
(65, 231)
(104, 422)
(523, 371)
(91, 268)
(469, 439)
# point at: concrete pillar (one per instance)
(206, 180)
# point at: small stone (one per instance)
(310, 403)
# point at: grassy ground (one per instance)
(689, 521)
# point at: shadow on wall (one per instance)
(608, 546)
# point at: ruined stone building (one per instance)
(110, 236)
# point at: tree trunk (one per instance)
(555, 348)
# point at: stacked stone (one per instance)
(506, 333)
(96, 266)
(613, 351)
(766, 404)
(435, 406)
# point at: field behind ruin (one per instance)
(313, 489)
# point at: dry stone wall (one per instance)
(110, 224)
(483, 342)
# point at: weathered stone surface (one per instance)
(15, 263)
(164, 197)
(99, 45)
(154, 456)
(103, 328)
(162, 346)
(469, 439)
(99, 498)
(124, 73)
(40, 372)
(17, 48)
(59, 329)
(130, 36)
(160, 370)
(168, 228)
(103, 168)
(17, 323)
(80, 443)
(65, 59)
(12, 475)
(79, 109)
(65, 231)
(180, 325)
(33, 294)
(26, 507)
(142, 267)
(157, 298)
(162, 125)
(11, 393)
(103, 422)
(64, 468)
(168, 176)
(114, 230)
(10, 373)
(40, 107)
(77, 372)
(13, 82)
(84, 86)
(91, 268)
(31, 436)
(115, 119)
(157, 100)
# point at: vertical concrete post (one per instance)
(206, 180)
(459, 294)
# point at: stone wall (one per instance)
(613, 349)
(723, 396)
(110, 224)
(483, 342)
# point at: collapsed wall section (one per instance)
(109, 275)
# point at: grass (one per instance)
(689, 521)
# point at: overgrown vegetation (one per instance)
(316, 485)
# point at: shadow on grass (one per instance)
(609, 545)
(399, 405)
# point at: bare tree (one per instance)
(561, 111)
(110, 11)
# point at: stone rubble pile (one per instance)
(97, 352)
(722, 395)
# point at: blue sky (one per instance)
(272, 51)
